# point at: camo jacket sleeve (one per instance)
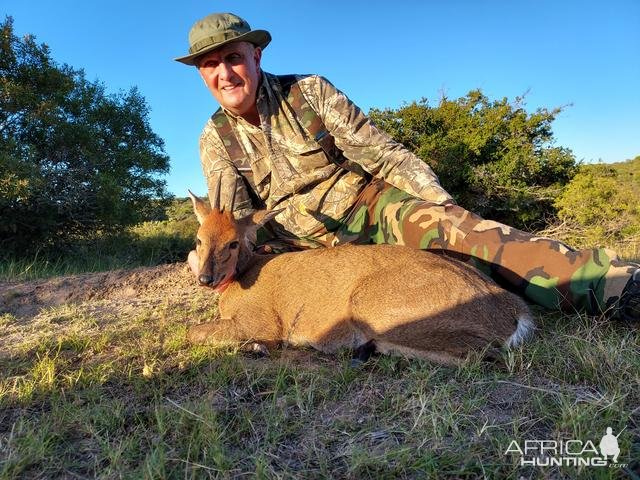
(225, 185)
(362, 142)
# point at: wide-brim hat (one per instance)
(218, 29)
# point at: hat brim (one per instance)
(260, 38)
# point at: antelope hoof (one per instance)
(363, 353)
(258, 349)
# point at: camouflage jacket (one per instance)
(290, 169)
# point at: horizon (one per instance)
(582, 54)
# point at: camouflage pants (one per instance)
(544, 271)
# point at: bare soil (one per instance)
(27, 299)
(34, 307)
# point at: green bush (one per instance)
(601, 205)
(164, 241)
(495, 158)
(145, 244)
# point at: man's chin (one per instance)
(233, 104)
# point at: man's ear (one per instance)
(257, 56)
(252, 222)
(201, 75)
(200, 207)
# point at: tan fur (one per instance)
(407, 301)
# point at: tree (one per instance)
(493, 157)
(73, 159)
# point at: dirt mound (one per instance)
(27, 299)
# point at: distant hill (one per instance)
(629, 170)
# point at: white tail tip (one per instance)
(523, 331)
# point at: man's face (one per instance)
(232, 73)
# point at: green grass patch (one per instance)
(129, 398)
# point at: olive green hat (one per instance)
(218, 29)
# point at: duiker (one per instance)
(392, 298)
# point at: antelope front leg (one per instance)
(225, 331)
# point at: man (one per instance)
(298, 143)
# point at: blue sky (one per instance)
(584, 53)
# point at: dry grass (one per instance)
(108, 388)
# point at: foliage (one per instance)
(145, 244)
(74, 160)
(602, 203)
(165, 241)
(492, 156)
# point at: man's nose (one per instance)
(224, 71)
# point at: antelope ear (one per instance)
(261, 217)
(252, 222)
(200, 207)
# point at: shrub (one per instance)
(495, 158)
(601, 205)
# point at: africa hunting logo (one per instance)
(549, 453)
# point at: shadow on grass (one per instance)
(146, 404)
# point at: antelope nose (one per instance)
(205, 279)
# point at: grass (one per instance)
(126, 397)
(41, 266)
(146, 244)
(92, 390)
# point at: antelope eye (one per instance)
(198, 242)
(233, 245)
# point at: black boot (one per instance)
(628, 307)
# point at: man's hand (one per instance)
(264, 250)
